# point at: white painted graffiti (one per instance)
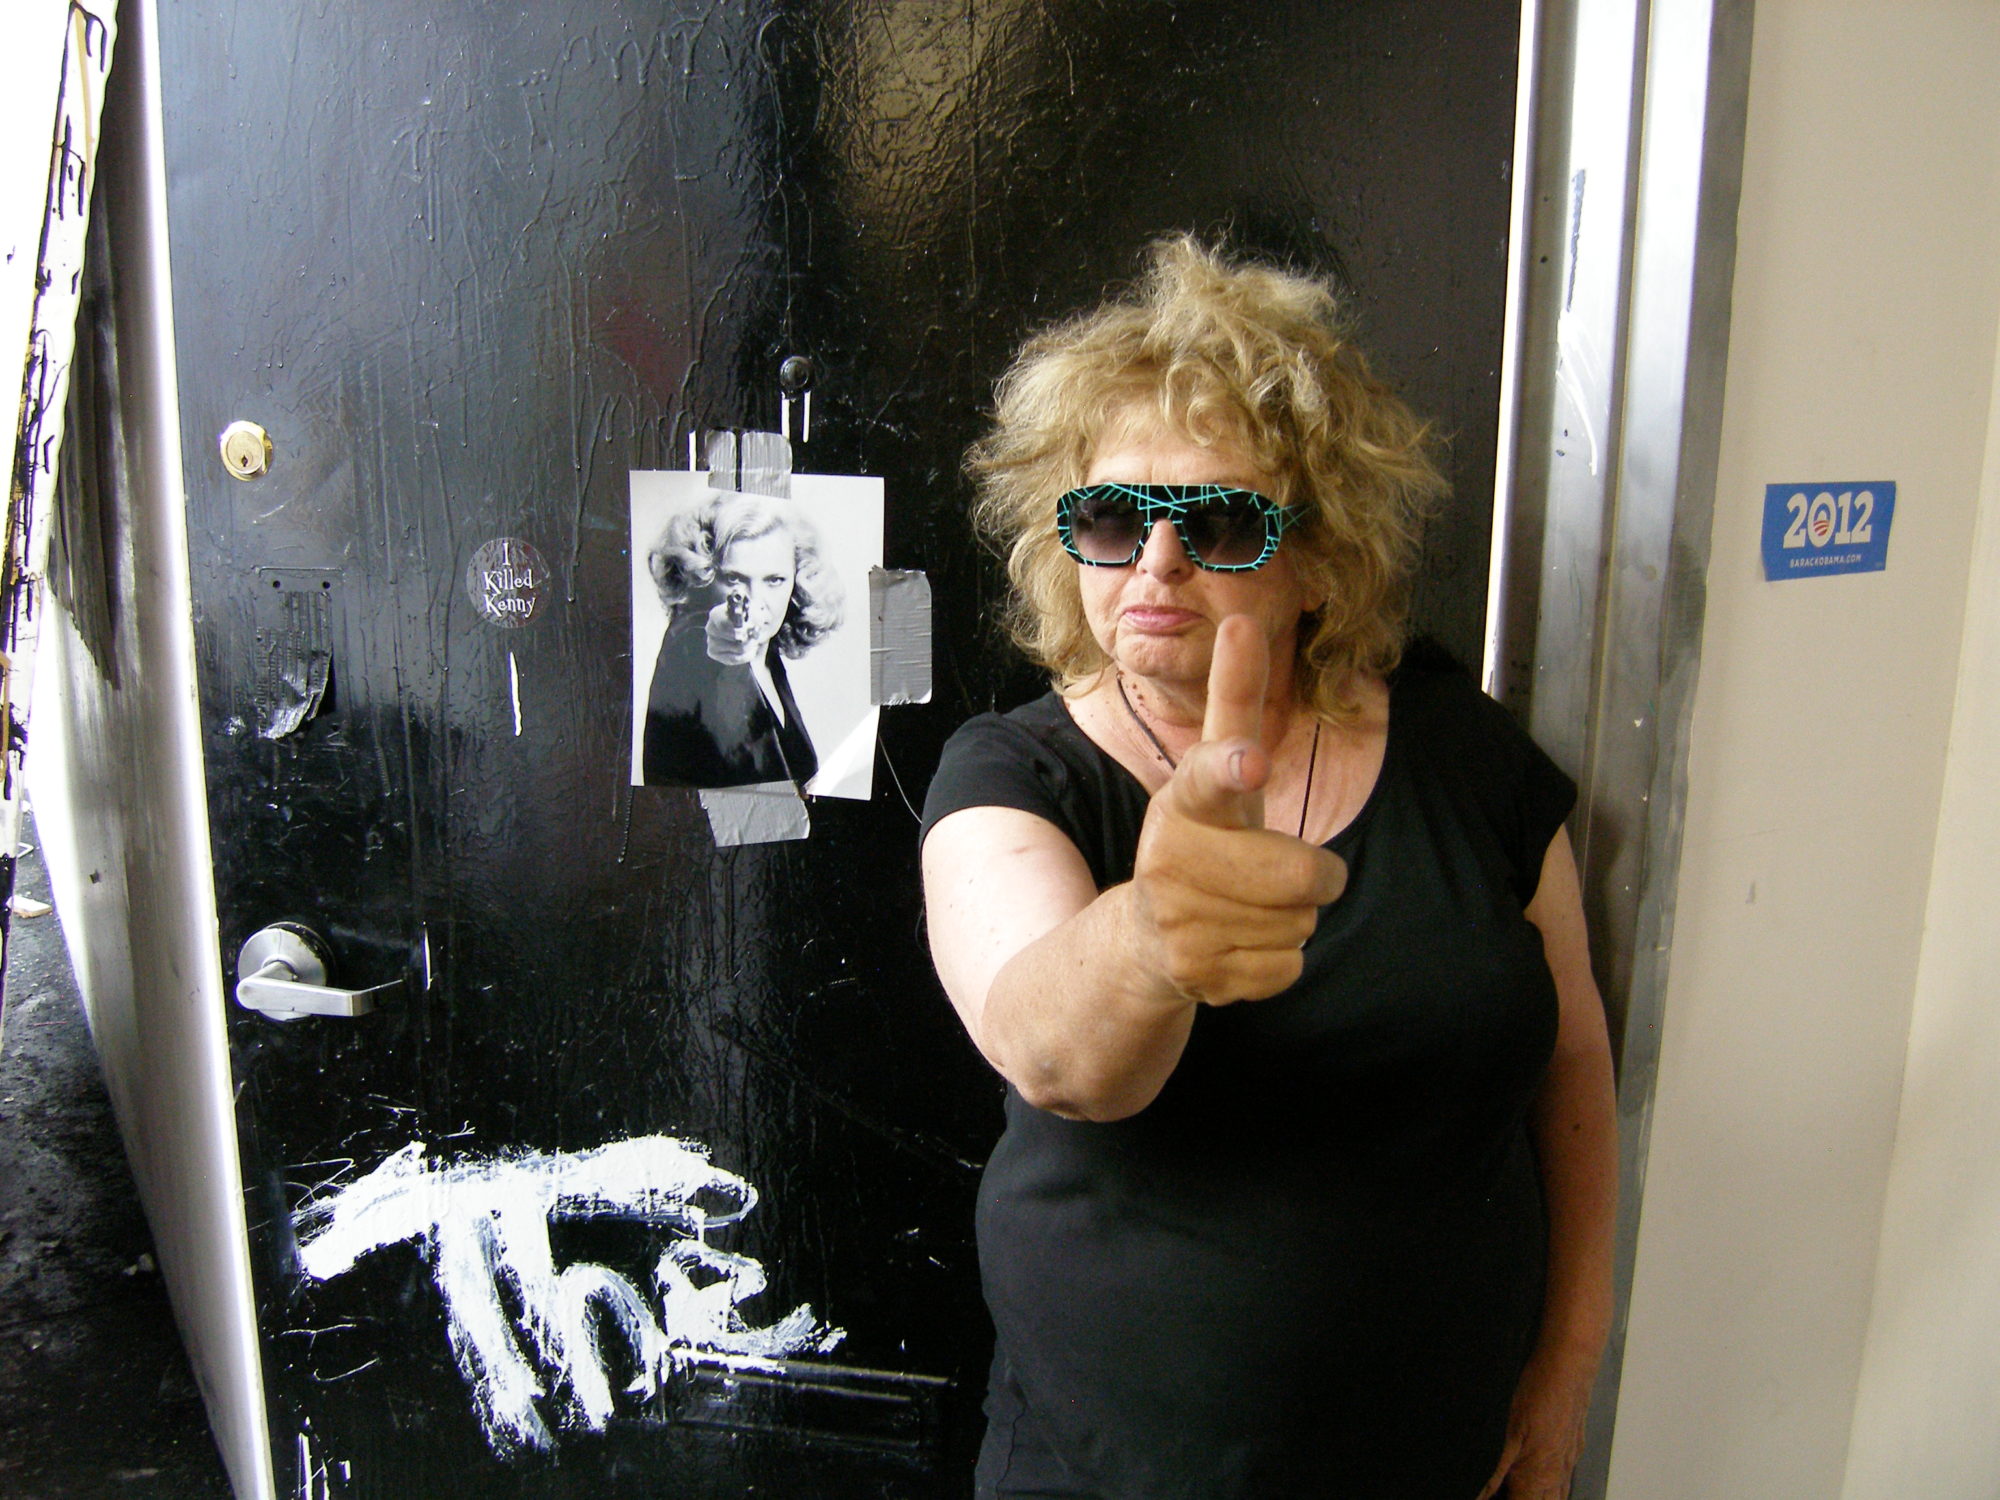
(484, 1227)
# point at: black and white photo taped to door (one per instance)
(750, 629)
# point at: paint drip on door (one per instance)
(483, 1224)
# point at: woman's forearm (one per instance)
(1575, 1129)
(1083, 999)
(1081, 1022)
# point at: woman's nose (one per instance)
(1163, 556)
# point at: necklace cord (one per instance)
(1144, 728)
(1312, 760)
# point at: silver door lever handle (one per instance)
(282, 973)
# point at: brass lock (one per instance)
(246, 450)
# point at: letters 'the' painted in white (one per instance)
(485, 1223)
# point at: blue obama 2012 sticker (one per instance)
(1812, 530)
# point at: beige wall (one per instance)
(1867, 298)
(1925, 1421)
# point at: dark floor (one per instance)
(96, 1397)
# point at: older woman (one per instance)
(1275, 935)
(721, 712)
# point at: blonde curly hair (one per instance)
(685, 558)
(1216, 351)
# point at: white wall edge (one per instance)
(116, 777)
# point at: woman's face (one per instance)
(754, 576)
(1156, 617)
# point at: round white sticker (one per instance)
(508, 582)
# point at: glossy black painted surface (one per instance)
(469, 268)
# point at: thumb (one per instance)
(1509, 1452)
(1221, 783)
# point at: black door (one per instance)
(658, 1179)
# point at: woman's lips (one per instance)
(1156, 619)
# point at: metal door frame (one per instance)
(1611, 418)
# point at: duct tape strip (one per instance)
(768, 813)
(294, 658)
(899, 636)
(754, 463)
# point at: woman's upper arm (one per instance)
(1557, 912)
(995, 880)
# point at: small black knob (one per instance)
(795, 374)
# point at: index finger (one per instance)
(1237, 672)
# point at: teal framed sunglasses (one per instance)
(1222, 528)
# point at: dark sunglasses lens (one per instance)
(1226, 533)
(1105, 528)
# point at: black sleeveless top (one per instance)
(1313, 1265)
